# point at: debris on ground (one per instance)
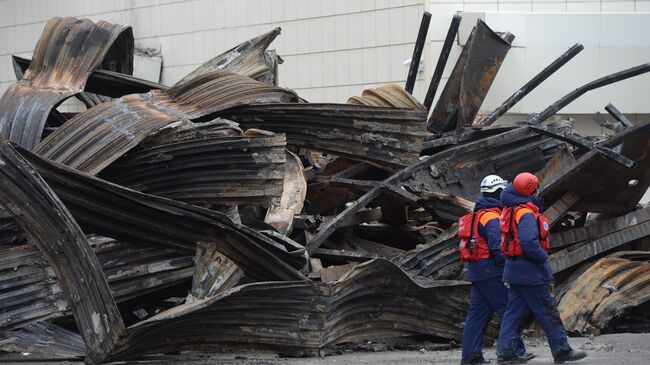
(225, 212)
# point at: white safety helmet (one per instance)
(492, 183)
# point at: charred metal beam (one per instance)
(599, 228)
(603, 81)
(377, 135)
(56, 234)
(531, 85)
(561, 206)
(417, 52)
(300, 318)
(115, 211)
(603, 185)
(616, 114)
(476, 149)
(95, 138)
(470, 80)
(577, 254)
(442, 60)
(107, 83)
(576, 140)
(222, 170)
(31, 292)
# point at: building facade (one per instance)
(333, 49)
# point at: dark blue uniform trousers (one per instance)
(489, 296)
(537, 299)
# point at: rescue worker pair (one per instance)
(480, 248)
(527, 273)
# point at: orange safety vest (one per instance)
(510, 217)
(473, 246)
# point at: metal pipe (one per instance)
(417, 52)
(616, 114)
(442, 60)
(530, 85)
(568, 98)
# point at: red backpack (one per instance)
(472, 246)
(510, 245)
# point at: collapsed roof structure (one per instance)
(227, 212)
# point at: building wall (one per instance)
(334, 49)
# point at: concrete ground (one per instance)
(623, 349)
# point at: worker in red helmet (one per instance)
(480, 248)
(525, 242)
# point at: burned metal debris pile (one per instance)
(226, 212)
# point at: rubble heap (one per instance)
(227, 212)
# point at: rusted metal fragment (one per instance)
(114, 211)
(94, 139)
(31, 292)
(249, 58)
(43, 340)
(599, 238)
(221, 170)
(60, 70)
(52, 228)
(606, 293)
(603, 185)
(375, 300)
(470, 80)
(377, 135)
(214, 273)
(389, 95)
(293, 196)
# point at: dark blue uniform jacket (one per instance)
(491, 267)
(533, 269)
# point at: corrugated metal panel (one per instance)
(68, 50)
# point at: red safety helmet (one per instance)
(525, 183)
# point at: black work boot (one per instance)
(513, 359)
(475, 359)
(528, 356)
(569, 354)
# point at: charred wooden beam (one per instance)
(417, 52)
